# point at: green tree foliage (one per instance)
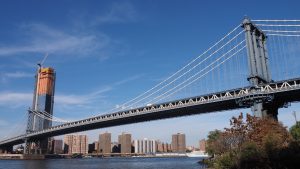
(226, 160)
(295, 131)
(212, 142)
(253, 143)
(250, 156)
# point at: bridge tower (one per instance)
(258, 65)
(42, 105)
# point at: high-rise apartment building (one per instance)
(76, 144)
(43, 103)
(56, 147)
(159, 146)
(178, 143)
(163, 147)
(125, 143)
(105, 143)
(202, 145)
(145, 146)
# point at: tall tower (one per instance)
(105, 143)
(178, 143)
(44, 97)
(259, 73)
(125, 143)
(39, 117)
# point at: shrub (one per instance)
(226, 161)
(251, 157)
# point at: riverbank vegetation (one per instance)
(254, 143)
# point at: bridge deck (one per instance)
(283, 91)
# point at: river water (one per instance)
(104, 163)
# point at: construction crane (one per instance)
(42, 62)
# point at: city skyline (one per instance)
(77, 144)
(109, 52)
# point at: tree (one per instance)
(211, 144)
(253, 143)
(250, 156)
(295, 131)
(264, 130)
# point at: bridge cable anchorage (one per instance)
(203, 74)
(143, 94)
(202, 61)
(182, 83)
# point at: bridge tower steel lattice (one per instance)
(43, 101)
(259, 73)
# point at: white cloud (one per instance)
(66, 100)
(127, 80)
(4, 76)
(17, 74)
(79, 105)
(118, 13)
(41, 38)
(23, 98)
(14, 98)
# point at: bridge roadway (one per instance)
(281, 92)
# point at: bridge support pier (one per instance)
(265, 110)
(36, 146)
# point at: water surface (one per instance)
(104, 163)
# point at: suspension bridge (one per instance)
(253, 66)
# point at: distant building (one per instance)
(169, 147)
(76, 144)
(163, 147)
(93, 148)
(202, 145)
(145, 146)
(104, 143)
(96, 146)
(125, 143)
(159, 146)
(178, 143)
(56, 147)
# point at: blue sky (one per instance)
(107, 52)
